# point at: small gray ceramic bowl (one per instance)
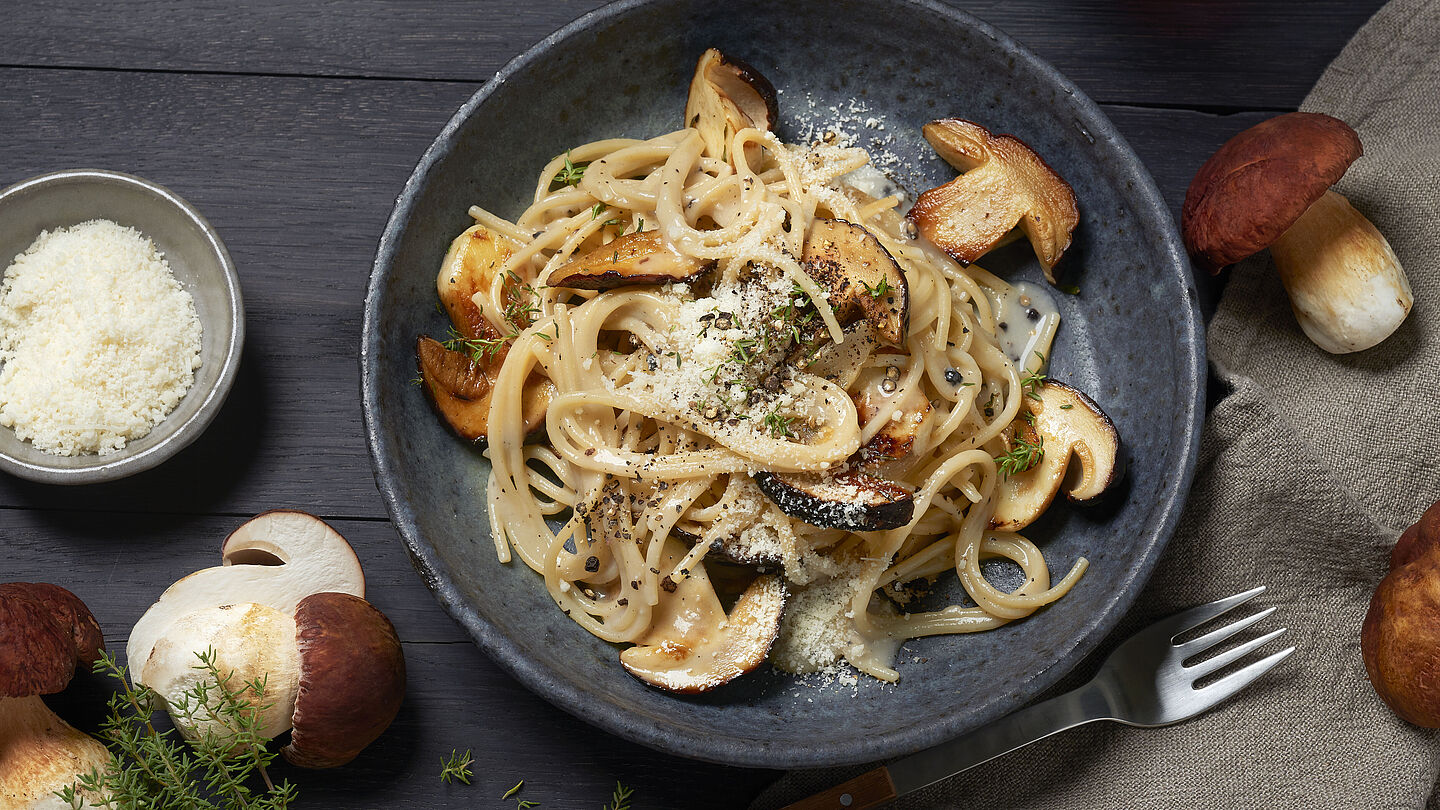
(200, 263)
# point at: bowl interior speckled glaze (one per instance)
(877, 71)
(199, 261)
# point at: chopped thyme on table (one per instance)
(620, 799)
(457, 767)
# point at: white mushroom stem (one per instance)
(1346, 285)
(41, 754)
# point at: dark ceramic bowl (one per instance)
(1132, 338)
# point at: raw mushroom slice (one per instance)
(1068, 424)
(331, 664)
(275, 559)
(1004, 184)
(693, 645)
(632, 259)
(847, 499)
(45, 632)
(860, 276)
(726, 96)
(460, 390)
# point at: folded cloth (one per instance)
(1310, 466)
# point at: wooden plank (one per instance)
(299, 176)
(456, 698)
(1216, 53)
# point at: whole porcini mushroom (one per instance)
(287, 605)
(45, 632)
(1269, 186)
(1400, 638)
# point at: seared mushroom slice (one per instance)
(470, 265)
(693, 646)
(726, 96)
(848, 499)
(635, 258)
(860, 275)
(876, 395)
(460, 389)
(1004, 184)
(1066, 423)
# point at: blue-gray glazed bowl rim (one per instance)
(837, 750)
(126, 462)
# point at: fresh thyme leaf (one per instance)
(479, 349)
(1022, 454)
(157, 769)
(1067, 406)
(512, 791)
(1033, 381)
(620, 799)
(878, 290)
(778, 424)
(525, 805)
(596, 210)
(457, 767)
(571, 174)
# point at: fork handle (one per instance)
(880, 785)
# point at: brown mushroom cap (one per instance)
(1400, 637)
(1259, 183)
(352, 679)
(45, 631)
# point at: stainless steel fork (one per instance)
(1144, 682)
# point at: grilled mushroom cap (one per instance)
(726, 96)
(45, 631)
(1004, 184)
(848, 499)
(471, 266)
(694, 646)
(1067, 424)
(860, 275)
(635, 258)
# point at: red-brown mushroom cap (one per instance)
(1259, 183)
(45, 631)
(352, 679)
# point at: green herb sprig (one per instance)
(1022, 454)
(572, 174)
(457, 767)
(157, 769)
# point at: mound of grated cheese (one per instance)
(98, 341)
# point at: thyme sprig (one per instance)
(1023, 454)
(457, 767)
(620, 799)
(572, 174)
(157, 769)
(1033, 381)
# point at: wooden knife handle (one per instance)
(869, 789)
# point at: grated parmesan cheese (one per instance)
(98, 340)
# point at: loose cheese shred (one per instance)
(98, 340)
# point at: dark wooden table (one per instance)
(292, 126)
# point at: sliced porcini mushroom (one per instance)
(1064, 423)
(1004, 184)
(286, 608)
(726, 96)
(907, 414)
(693, 645)
(1269, 187)
(860, 276)
(460, 389)
(352, 679)
(635, 258)
(45, 632)
(469, 267)
(847, 499)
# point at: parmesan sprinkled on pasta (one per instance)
(98, 340)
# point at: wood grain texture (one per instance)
(871, 789)
(1219, 53)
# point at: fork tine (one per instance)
(1194, 617)
(1229, 657)
(1210, 639)
(1230, 684)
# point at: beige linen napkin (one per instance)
(1309, 468)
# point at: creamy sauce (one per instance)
(1025, 316)
(869, 180)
